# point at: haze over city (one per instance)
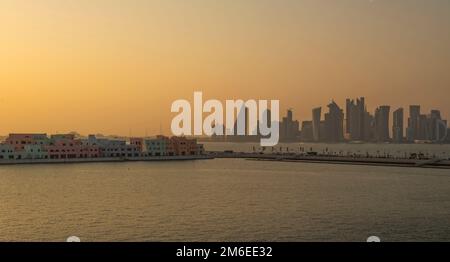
(115, 67)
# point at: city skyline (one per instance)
(353, 123)
(85, 65)
(356, 123)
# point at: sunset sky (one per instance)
(115, 66)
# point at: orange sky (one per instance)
(115, 67)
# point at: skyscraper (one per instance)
(334, 123)
(397, 127)
(306, 134)
(289, 129)
(433, 125)
(422, 132)
(382, 124)
(443, 132)
(413, 123)
(317, 113)
(369, 126)
(355, 113)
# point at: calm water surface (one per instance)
(223, 200)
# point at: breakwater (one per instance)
(348, 160)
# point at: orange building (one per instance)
(184, 146)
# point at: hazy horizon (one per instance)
(115, 67)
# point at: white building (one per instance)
(35, 152)
(7, 152)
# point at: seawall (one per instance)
(102, 160)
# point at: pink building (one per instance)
(137, 142)
(19, 141)
(66, 146)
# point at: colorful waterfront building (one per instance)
(18, 141)
(24, 146)
(7, 152)
(138, 142)
(184, 146)
(159, 146)
(30, 151)
(66, 146)
(174, 146)
(35, 152)
(200, 149)
(115, 148)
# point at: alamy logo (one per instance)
(249, 118)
